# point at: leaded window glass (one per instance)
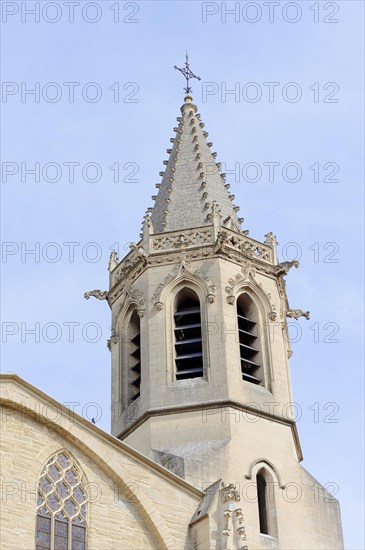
(61, 505)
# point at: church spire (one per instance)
(192, 181)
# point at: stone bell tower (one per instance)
(200, 352)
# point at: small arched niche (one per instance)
(188, 344)
(249, 337)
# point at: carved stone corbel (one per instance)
(273, 313)
(211, 298)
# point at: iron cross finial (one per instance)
(188, 74)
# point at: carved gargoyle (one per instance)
(98, 294)
(284, 267)
(296, 313)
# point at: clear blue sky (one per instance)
(321, 215)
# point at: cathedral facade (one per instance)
(204, 451)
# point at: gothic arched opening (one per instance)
(188, 335)
(134, 356)
(249, 340)
(266, 503)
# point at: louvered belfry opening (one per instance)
(249, 340)
(188, 336)
(134, 333)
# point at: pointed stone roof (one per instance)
(192, 184)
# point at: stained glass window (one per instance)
(61, 505)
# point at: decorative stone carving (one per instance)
(175, 240)
(130, 262)
(129, 279)
(134, 295)
(232, 240)
(221, 242)
(137, 296)
(113, 260)
(202, 245)
(114, 339)
(215, 210)
(157, 293)
(209, 284)
(147, 230)
(272, 316)
(139, 250)
(296, 313)
(233, 518)
(179, 269)
(230, 493)
(284, 267)
(215, 217)
(270, 240)
(247, 272)
(98, 294)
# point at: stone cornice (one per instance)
(163, 411)
(190, 245)
(174, 257)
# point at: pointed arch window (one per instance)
(188, 335)
(262, 504)
(134, 356)
(266, 503)
(249, 340)
(61, 506)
